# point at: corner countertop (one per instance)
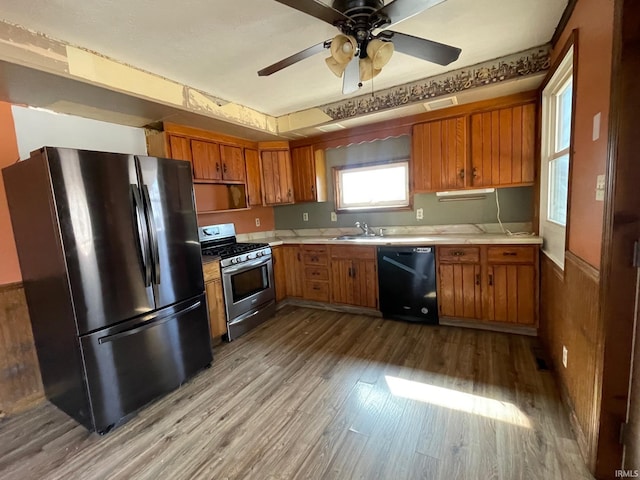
(419, 239)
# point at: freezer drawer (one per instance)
(129, 366)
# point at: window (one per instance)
(557, 115)
(377, 186)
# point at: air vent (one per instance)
(442, 103)
(331, 128)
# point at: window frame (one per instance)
(555, 235)
(337, 184)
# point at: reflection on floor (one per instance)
(317, 394)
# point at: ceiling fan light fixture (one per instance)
(343, 48)
(336, 68)
(367, 70)
(379, 52)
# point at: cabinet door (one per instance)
(232, 163)
(459, 290)
(215, 305)
(276, 175)
(254, 183)
(304, 174)
(206, 160)
(511, 294)
(180, 148)
(364, 283)
(279, 272)
(293, 270)
(502, 146)
(341, 281)
(439, 154)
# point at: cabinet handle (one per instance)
(289, 193)
(224, 168)
(298, 256)
(461, 174)
(458, 254)
(350, 272)
(475, 172)
(491, 280)
(217, 167)
(316, 287)
(355, 272)
(510, 254)
(477, 279)
(313, 189)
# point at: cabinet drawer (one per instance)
(318, 291)
(511, 254)
(459, 254)
(352, 253)
(315, 255)
(316, 273)
(211, 270)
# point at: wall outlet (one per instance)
(419, 214)
(257, 222)
(334, 217)
(565, 354)
(305, 217)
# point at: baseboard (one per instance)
(492, 326)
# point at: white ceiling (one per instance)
(217, 46)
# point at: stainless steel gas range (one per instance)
(247, 277)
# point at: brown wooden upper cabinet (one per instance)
(486, 149)
(254, 182)
(232, 163)
(211, 161)
(440, 155)
(277, 180)
(309, 174)
(502, 146)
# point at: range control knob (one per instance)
(259, 254)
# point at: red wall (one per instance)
(9, 267)
(244, 220)
(594, 21)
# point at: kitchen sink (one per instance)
(353, 237)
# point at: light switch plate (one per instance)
(600, 180)
(334, 217)
(596, 126)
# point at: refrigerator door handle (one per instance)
(149, 324)
(155, 249)
(143, 240)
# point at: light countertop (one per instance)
(419, 239)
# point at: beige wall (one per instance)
(594, 21)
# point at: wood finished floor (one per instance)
(317, 394)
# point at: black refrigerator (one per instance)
(111, 265)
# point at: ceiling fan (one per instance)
(357, 20)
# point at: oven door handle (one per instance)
(246, 266)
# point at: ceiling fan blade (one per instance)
(286, 62)
(400, 10)
(351, 80)
(425, 49)
(317, 9)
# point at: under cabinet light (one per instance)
(465, 193)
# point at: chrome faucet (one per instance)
(365, 228)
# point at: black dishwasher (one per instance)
(407, 283)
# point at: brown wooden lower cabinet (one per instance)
(215, 299)
(460, 290)
(490, 283)
(354, 276)
(279, 272)
(293, 270)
